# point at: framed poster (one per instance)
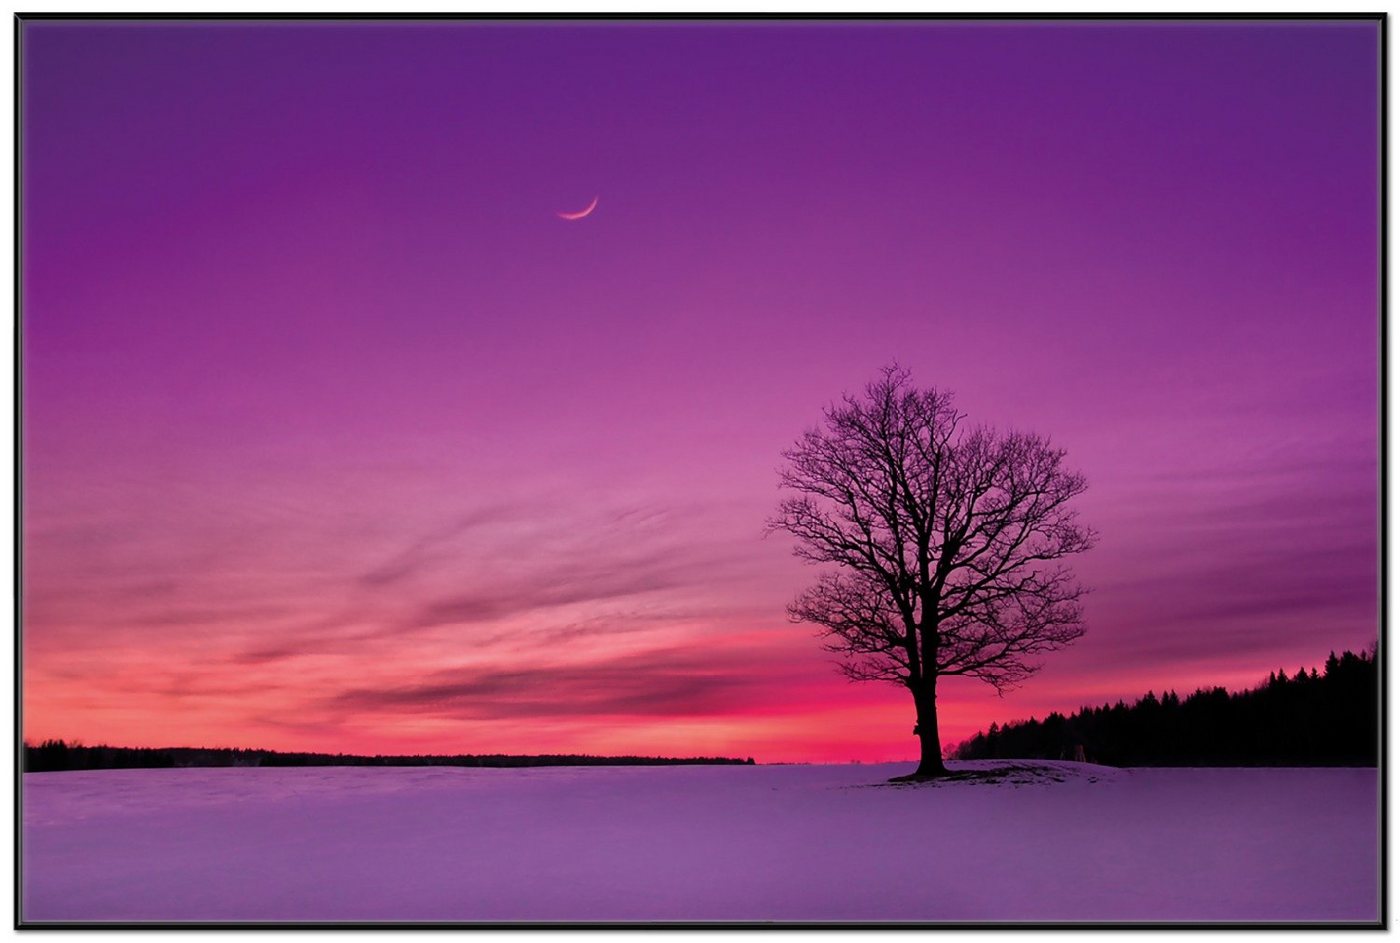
(699, 471)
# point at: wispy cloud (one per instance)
(433, 547)
(677, 681)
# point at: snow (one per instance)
(1055, 841)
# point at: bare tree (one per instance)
(947, 540)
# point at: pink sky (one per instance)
(337, 437)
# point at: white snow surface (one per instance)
(1053, 842)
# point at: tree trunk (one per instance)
(930, 750)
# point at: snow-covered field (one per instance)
(746, 843)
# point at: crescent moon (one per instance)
(581, 213)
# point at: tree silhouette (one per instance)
(946, 539)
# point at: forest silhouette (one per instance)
(1307, 719)
(58, 755)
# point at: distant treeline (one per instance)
(56, 755)
(1309, 719)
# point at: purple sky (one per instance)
(338, 437)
